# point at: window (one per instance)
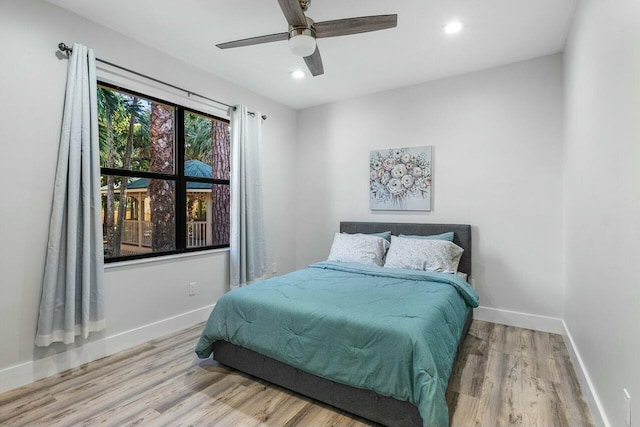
(164, 176)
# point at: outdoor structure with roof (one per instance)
(137, 227)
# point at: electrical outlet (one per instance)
(274, 267)
(627, 406)
(192, 288)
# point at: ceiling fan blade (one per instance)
(314, 63)
(363, 24)
(293, 13)
(254, 40)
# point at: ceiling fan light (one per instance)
(302, 41)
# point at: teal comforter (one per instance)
(392, 331)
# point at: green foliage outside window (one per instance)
(139, 146)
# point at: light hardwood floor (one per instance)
(504, 376)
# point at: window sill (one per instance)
(162, 259)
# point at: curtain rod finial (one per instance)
(64, 48)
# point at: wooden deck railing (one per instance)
(196, 234)
(139, 233)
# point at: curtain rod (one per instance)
(67, 50)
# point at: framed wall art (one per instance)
(400, 179)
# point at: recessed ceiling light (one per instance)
(453, 27)
(297, 74)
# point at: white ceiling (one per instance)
(496, 32)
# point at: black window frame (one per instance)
(178, 177)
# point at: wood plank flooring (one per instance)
(504, 376)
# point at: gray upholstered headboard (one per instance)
(462, 234)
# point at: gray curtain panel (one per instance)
(247, 244)
(73, 285)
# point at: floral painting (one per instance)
(400, 179)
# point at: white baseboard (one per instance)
(588, 391)
(28, 372)
(521, 320)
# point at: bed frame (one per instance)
(364, 403)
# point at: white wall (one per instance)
(497, 141)
(32, 83)
(602, 198)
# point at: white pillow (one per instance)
(417, 254)
(360, 248)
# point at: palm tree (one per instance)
(162, 192)
(135, 110)
(197, 130)
(108, 103)
(220, 194)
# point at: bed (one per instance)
(331, 357)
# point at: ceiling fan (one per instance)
(303, 32)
